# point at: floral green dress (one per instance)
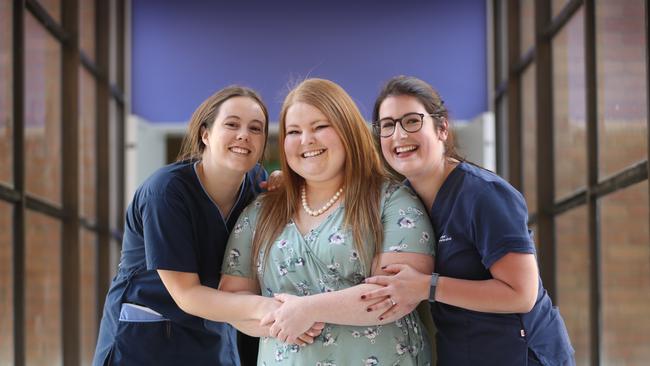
(325, 260)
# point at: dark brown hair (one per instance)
(205, 115)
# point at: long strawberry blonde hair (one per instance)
(364, 174)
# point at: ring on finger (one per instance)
(392, 302)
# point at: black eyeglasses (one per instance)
(410, 122)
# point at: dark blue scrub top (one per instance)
(171, 224)
(479, 218)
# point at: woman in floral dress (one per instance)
(312, 242)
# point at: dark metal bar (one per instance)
(70, 257)
(573, 201)
(545, 153)
(593, 219)
(89, 64)
(48, 22)
(118, 95)
(9, 194)
(120, 49)
(18, 250)
(522, 63)
(91, 226)
(102, 45)
(562, 18)
(637, 173)
(633, 175)
(500, 91)
(515, 166)
(44, 207)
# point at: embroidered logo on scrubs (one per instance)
(444, 238)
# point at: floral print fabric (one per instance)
(325, 260)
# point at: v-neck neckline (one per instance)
(223, 219)
(442, 192)
(304, 236)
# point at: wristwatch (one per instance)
(432, 288)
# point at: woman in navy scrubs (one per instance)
(486, 296)
(175, 233)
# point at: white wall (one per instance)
(147, 149)
(476, 140)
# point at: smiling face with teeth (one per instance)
(312, 146)
(235, 141)
(411, 154)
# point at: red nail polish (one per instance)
(368, 310)
(363, 297)
(384, 267)
(381, 318)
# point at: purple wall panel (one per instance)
(185, 50)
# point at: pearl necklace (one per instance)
(310, 212)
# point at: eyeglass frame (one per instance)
(377, 127)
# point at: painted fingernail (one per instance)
(381, 318)
(384, 267)
(363, 297)
(368, 310)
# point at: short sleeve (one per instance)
(237, 260)
(407, 227)
(499, 224)
(168, 239)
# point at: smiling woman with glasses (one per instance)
(486, 296)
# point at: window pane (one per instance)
(87, 145)
(622, 93)
(526, 25)
(6, 94)
(42, 112)
(626, 276)
(569, 108)
(87, 27)
(529, 133)
(88, 288)
(53, 8)
(573, 278)
(42, 290)
(6, 285)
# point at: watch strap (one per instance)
(432, 287)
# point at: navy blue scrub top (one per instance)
(171, 224)
(479, 218)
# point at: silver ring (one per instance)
(392, 301)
